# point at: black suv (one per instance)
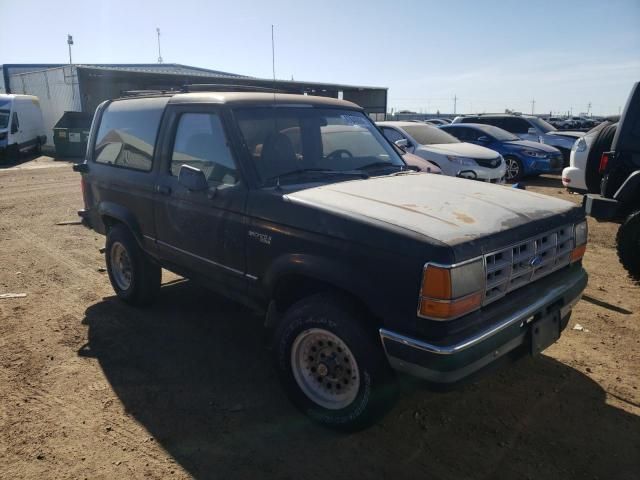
(619, 198)
(298, 207)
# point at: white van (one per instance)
(21, 125)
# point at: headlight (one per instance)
(581, 232)
(535, 154)
(3, 136)
(580, 145)
(447, 292)
(461, 160)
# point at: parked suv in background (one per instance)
(298, 207)
(528, 127)
(522, 157)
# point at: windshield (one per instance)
(426, 135)
(542, 125)
(286, 140)
(4, 118)
(498, 133)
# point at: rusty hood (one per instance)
(450, 210)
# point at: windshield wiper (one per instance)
(324, 171)
(373, 165)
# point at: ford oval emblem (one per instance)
(535, 261)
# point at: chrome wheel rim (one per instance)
(121, 266)
(513, 169)
(325, 369)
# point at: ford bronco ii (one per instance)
(298, 207)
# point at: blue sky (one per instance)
(491, 54)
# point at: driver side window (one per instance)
(201, 143)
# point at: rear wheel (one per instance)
(332, 367)
(134, 278)
(628, 244)
(515, 170)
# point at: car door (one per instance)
(201, 232)
(16, 129)
(520, 127)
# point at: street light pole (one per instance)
(159, 54)
(69, 43)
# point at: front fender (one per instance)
(330, 271)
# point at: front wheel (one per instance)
(331, 367)
(628, 244)
(515, 170)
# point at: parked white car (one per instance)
(21, 125)
(452, 156)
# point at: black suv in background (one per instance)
(298, 207)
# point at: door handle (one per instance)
(163, 189)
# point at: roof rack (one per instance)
(142, 93)
(221, 87)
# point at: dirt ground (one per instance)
(91, 388)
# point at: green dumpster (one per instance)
(71, 133)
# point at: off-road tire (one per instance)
(628, 245)
(145, 275)
(602, 143)
(377, 389)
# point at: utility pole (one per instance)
(533, 105)
(273, 57)
(159, 54)
(455, 103)
(70, 42)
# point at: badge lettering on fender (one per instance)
(261, 237)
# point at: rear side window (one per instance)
(127, 133)
(201, 143)
(516, 125)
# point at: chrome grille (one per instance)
(522, 263)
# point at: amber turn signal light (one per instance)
(577, 253)
(436, 283)
(435, 309)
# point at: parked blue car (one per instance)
(522, 157)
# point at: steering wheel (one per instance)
(338, 153)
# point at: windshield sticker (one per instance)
(354, 120)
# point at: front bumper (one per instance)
(448, 362)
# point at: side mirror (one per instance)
(14, 128)
(192, 178)
(403, 144)
(532, 131)
(484, 139)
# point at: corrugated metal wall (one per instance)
(57, 89)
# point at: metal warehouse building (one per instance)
(81, 88)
